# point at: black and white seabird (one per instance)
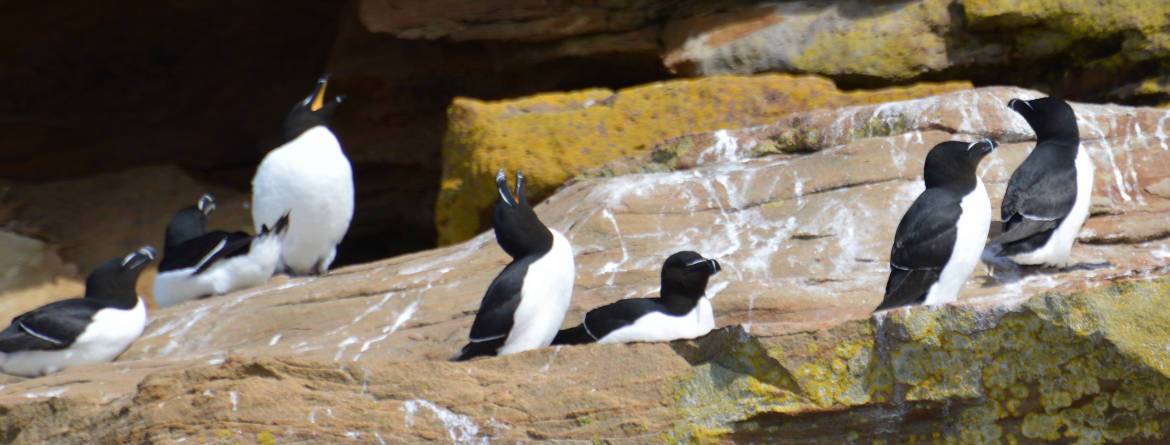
(524, 306)
(938, 241)
(80, 331)
(197, 263)
(682, 310)
(310, 178)
(1047, 197)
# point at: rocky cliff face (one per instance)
(99, 90)
(803, 232)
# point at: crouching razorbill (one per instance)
(197, 263)
(526, 303)
(80, 331)
(1047, 197)
(310, 179)
(939, 239)
(681, 310)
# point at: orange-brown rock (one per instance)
(360, 354)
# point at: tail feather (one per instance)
(576, 335)
(477, 349)
(907, 287)
(279, 228)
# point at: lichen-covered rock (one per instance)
(1107, 50)
(360, 354)
(554, 137)
(1087, 367)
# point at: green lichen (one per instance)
(1087, 368)
(882, 126)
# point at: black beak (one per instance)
(138, 258)
(519, 183)
(1020, 105)
(982, 146)
(502, 186)
(206, 204)
(714, 266)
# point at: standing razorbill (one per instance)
(196, 263)
(937, 244)
(1047, 197)
(310, 179)
(526, 303)
(80, 331)
(681, 310)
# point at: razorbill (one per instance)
(309, 178)
(80, 331)
(197, 263)
(681, 310)
(937, 244)
(1047, 197)
(526, 303)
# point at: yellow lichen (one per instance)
(1085, 367)
(557, 136)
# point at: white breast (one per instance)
(1056, 251)
(311, 178)
(658, 326)
(109, 333)
(544, 299)
(972, 227)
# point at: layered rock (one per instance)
(110, 89)
(803, 237)
(554, 137)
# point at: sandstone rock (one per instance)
(848, 38)
(554, 137)
(95, 218)
(27, 262)
(32, 274)
(1073, 48)
(360, 354)
(530, 21)
(105, 89)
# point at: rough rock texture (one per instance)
(98, 217)
(1086, 49)
(80, 223)
(359, 355)
(554, 137)
(204, 85)
(32, 274)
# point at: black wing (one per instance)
(922, 246)
(1039, 196)
(50, 327)
(1022, 234)
(205, 250)
(576, 335)
(907, 286)
(478, 349)
(611, 317)
(238, 243)
(1044, 187)
(927, 232)
(494, 319)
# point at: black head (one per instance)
(190, 222)
(315, 110)
(685, 274)
(114, 280)
(1049, 117)
(518, 231)
(953, 163)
